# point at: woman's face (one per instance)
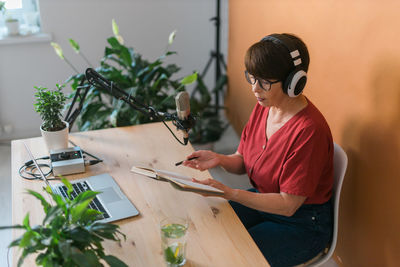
(270, 97)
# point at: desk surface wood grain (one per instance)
(216, 236)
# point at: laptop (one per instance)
(111, 202)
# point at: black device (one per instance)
(182, 122)
(294, 83)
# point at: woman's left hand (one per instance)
(228, 192)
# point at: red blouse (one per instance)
(297, 159)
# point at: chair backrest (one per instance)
(339, 166)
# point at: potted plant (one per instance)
(211, 125)
(12, 24)
(2, 7)
(150, 82)
(2, 10)
(49, 104)
(69, 234)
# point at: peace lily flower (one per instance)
(59, 52)
(171, 37)
(74, 44)
(115, 29)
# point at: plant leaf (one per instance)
(125, 55)
(80, 234)
(90, 215)
(189, 79)
(26, 239)
(68, 185)
(85, 196)
(74, 45)
(114, 42)
(79, 258)
(52, 213)
(65, 247)
(92, 258)
(26, 221)
(78, 210)
(45, 204)
(114, 261)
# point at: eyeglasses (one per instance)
(264, 84)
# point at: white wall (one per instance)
(144, 24)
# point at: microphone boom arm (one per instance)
(95, 79)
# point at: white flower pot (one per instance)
(57, 139)
(12, 27)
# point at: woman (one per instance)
(286, 149)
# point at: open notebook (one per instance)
(177, 180)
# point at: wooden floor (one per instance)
(227, 145)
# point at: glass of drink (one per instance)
(173, 240)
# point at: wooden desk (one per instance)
(216, 236)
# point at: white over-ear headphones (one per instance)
(294, 83)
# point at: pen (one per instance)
(180, 162)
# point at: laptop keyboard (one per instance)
(79, 187)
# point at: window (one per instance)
(13, 4)
(25, 11)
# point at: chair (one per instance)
(339, 166)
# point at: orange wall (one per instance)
(354, 79)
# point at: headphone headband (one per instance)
(287, 43)
(296, 80)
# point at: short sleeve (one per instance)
(305, 164)
(243, 139)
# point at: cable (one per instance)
(182, 143)
(27, 171)
(163, 121)
(90, 162)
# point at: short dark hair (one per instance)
(271, 60)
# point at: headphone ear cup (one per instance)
(295, 82)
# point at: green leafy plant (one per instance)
(69, 234)
(2, 6)
(152, 83)
(3, 10)
(49, 104)
(210, 125)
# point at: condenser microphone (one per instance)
(182, 101)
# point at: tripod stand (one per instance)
(220, 79)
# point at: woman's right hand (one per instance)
(205, 160)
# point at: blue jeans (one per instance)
(288, 241)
